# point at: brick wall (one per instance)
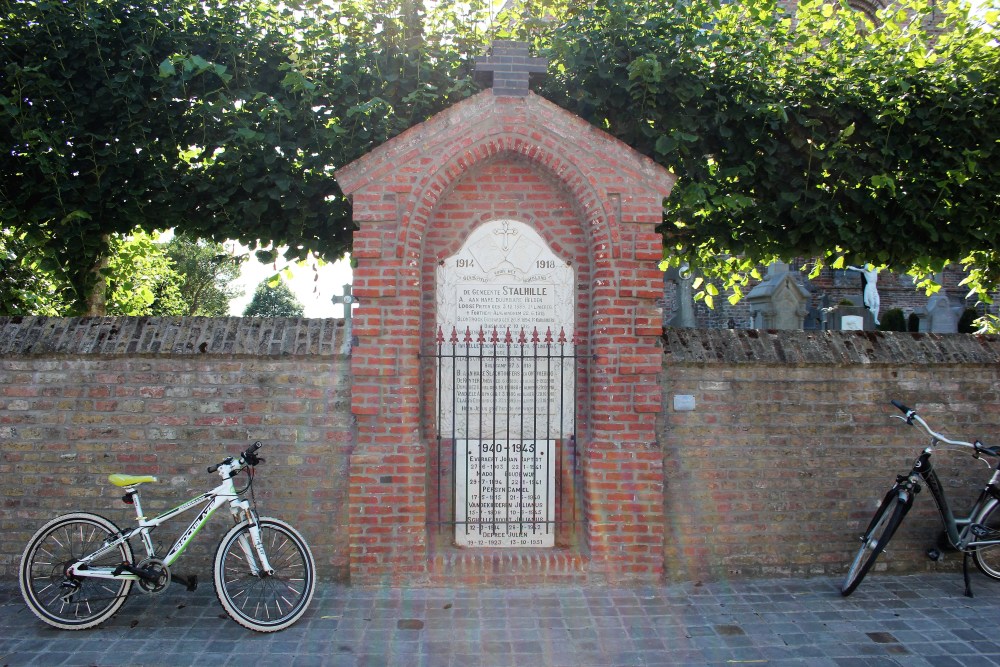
(785, 455)
(790, 446)
(82, 398)
(596, 202)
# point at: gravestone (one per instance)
(778, 302)
(852, 318)
(940, 316)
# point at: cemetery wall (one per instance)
(82, 398)
(790, 445)
(785, 454)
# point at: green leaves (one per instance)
(227, 118)
(801, 138)
(167, 68)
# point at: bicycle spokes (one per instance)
(271, 598)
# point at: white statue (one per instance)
(871, 288)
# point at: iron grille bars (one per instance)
(506, 412)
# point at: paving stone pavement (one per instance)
(913, 621)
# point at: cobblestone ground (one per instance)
(911, 621)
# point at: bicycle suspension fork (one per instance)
(253, 548)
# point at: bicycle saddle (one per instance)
(129, 480)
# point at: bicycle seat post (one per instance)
(132, 498)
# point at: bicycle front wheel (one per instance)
(257, 600)
(68, 602)
(880, 530)
(987, 558)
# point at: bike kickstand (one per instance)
(965, 574)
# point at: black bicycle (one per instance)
(976, 535)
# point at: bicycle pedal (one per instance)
(934, 555)
(979, 530)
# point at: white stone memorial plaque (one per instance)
(852, 323)
(505, 279)
(504, 493)
(506, 381)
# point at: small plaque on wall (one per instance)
(683, 402)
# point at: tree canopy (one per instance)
(207, 271)
(815, 134)
(223, 119)
(818, 134)
(273, 299)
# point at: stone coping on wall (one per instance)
(757, 346)
(193, 336)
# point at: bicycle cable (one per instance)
(249, 487)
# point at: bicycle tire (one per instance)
(72, 603)
(880, 530)
(987, 558)
(265, 603)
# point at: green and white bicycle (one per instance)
(78, 569)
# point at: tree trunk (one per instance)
(96, 300)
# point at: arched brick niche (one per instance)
(596, 203)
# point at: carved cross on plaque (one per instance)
(505, 232)
(510, 67)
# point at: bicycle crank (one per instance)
(154, 576)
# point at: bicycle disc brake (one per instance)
(155, 576)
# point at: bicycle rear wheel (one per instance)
(987, 558)
(255, 600)
(880, 530)
(72, 603)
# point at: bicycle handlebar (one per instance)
(900, 405)
(247, 456)
(911, 416)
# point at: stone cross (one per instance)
(509, 66)
(683, 276)
(349, 302)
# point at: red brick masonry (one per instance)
(788, 448)
(596, 202)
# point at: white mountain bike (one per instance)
(78, 568)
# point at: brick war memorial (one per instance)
(507, 408)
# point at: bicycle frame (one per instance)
(213, 500)
(959, 529)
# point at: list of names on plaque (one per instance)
(504, 493)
